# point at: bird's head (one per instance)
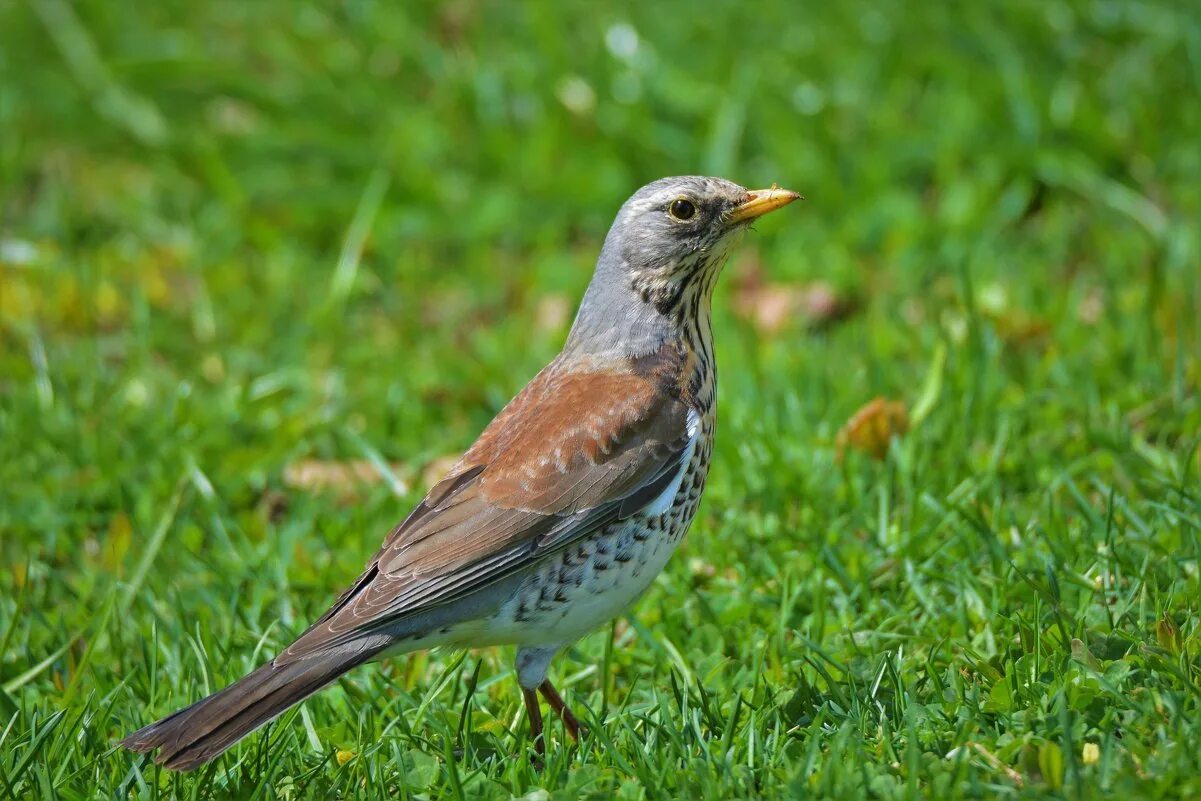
(678, 229)
(665, 249)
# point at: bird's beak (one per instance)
(759, 202)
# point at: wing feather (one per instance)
(574, 451)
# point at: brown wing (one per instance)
(576, 449)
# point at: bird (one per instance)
(566, 507)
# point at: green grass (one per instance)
(237, 238)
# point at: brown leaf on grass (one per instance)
(821, 304)
(1018, 329)
(345, 478)
(274, 505)
(769, 306)
(436, 469)
(872, 427)
(1016, 326)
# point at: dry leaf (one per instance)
(273, 505)
(1019, 329)
(343, 477)
(437, 469)
(701, 570)
(767, 308)
(872, 427)
(770, 306)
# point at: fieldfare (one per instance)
(566, 507)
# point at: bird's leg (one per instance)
(535, 713)
(570, 721)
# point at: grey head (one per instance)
(655, 275)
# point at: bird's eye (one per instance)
(682, 209)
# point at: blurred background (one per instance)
(265, 266)
(208, 195)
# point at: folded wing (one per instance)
(578, 448)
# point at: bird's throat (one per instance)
(698, 379)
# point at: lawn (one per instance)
(265, 266)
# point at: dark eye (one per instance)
(682, 209)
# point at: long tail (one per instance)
(203, 731)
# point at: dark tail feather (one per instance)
(203, 731)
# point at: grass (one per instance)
(244, 247)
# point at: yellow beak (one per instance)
(759, 202)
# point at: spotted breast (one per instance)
(600, 577)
